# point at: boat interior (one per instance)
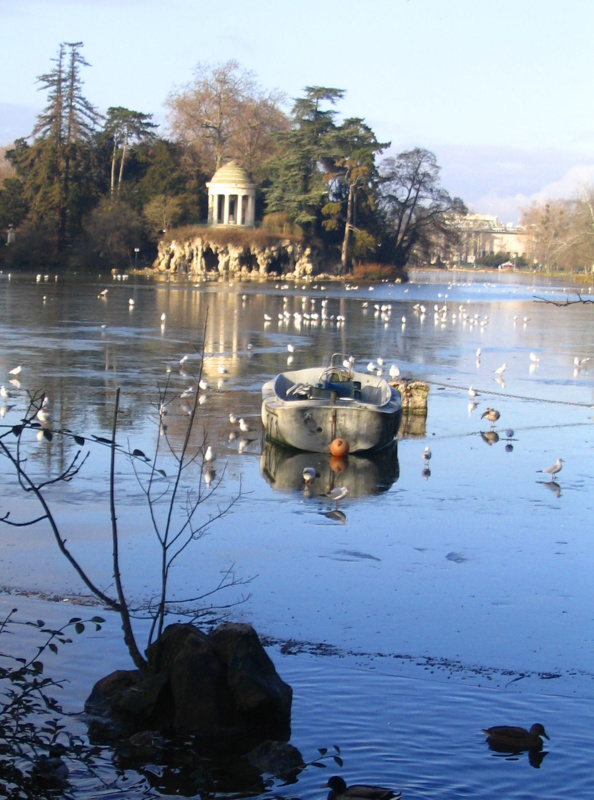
(332, 384)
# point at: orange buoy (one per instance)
(339, 447)
(338, 464)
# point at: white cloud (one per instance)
(508, 207)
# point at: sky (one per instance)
(500, 92)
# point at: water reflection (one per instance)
(361, 475)
(552, 486)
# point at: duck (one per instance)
(514, 739)
(340, 791)
(492, 415)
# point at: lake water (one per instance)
(438, 604)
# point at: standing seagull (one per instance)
(337, 494)
(209, 455)
(427, 455)
(492, 415)
(553, 469)
(500, 370)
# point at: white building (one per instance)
(231, 197)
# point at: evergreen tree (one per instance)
(353, 171)
(297, 174)
(124, 128)
(63, 139)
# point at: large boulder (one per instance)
(221, 688)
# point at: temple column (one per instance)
(226, 211)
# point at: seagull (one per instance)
(291, 348)
(509, 433)
(491, 415)
(578, 363)
(209, 455)
(337, 494)
(427, 454)
(478, 353)
(243, 426)
(534, 358)
(553, 469)
(472, 393)
(4, 393)
(309, 475)
(233, 419)
(17, 370)
(163, 317)
(500, 370)
(44, 416)
(394, 372)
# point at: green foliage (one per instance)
(297, 183)
(34, 740)
(13, 207)
(318, 176)
(112, 231)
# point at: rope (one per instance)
(511, 396)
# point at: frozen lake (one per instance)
(449, 601)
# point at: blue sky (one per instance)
(500, 92)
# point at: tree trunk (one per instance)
(113, 166)
(123, 158)
(347, 231)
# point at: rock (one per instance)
(258, 691)
(414, 396)
(107, 689)
(278, 758)
(221, 689)
(235, 253)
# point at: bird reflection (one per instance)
(426, 473)
(337, 515)
(490, 437)
(553, 486)
(471, 407)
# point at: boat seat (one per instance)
(342, 388)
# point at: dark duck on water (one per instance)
(340, 791)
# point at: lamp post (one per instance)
(136, 252)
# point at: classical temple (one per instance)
(231, 197)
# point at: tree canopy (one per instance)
(91, 188)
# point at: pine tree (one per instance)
(62, 135)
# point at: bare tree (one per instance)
(225, 114)
(415, 206)
(173, 506)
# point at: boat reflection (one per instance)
(362, 475)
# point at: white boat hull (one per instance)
(364, 410)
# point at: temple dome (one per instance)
(231, 174)
(231, 197)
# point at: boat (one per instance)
(310, 409)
